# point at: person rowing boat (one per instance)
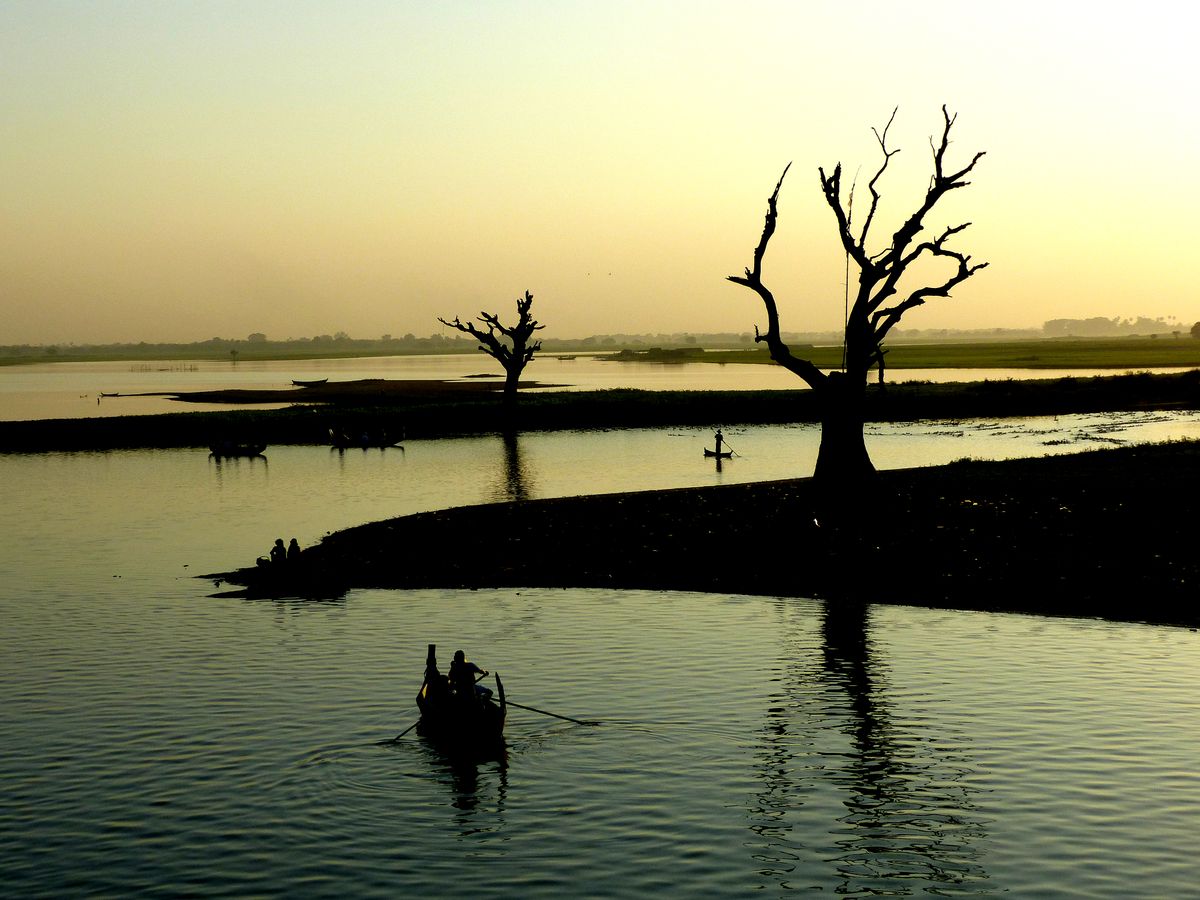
(464, 677)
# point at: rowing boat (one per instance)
(723, 454)
(459, 720)
(366, 441)
(317, 383)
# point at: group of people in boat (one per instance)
(280, 555)
(459, 684)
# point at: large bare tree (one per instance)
(877, 303)
(511, 347)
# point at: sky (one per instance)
(176, 171)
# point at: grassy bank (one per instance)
(440, 409)
(1108, 533)
(1131, 353)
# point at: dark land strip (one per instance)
(1109, 533)
(431, 409)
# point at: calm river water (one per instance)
(157, 741)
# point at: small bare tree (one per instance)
(877, 305)
(511, 347)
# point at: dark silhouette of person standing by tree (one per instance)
(511, 347)
(844, 471)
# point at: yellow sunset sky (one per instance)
(174, 171)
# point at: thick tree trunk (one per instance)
(845, 477)
(511, 377)
(843, 454)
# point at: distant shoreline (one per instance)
(434, 409)
(987, 351)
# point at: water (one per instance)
(156, 741)
(72, 390)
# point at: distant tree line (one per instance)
(255, 343)
(1099, 326)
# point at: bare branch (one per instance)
(884, 319)
(753, 280)
(831, 187)
(887, 157)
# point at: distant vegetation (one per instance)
(1101, 327)
(972, 347)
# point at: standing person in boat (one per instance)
(435, 681)
(278, 553)
(719, 438)
(462, 678)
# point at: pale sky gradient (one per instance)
(182, 170)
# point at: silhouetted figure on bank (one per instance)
(278, 553)
(462, 678)
(293, 551)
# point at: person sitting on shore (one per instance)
(278, 553)
(293, 551)
(462, 678)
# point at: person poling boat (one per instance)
(719, 453)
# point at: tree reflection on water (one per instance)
(908, 816)
(514, 482)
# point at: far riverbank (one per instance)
(432, 409)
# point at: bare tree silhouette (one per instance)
(878, 302)
(511, 347)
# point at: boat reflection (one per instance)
(907, 812)
(477, 781)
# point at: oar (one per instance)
(545, 713)
(407, 730)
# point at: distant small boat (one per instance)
(724, 454)
(565, 358)
(229, 450)
(317, 383)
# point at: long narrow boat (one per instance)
(724, 454)
(315, 383)
(228, 450)
(341, 441)
(458, 721)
